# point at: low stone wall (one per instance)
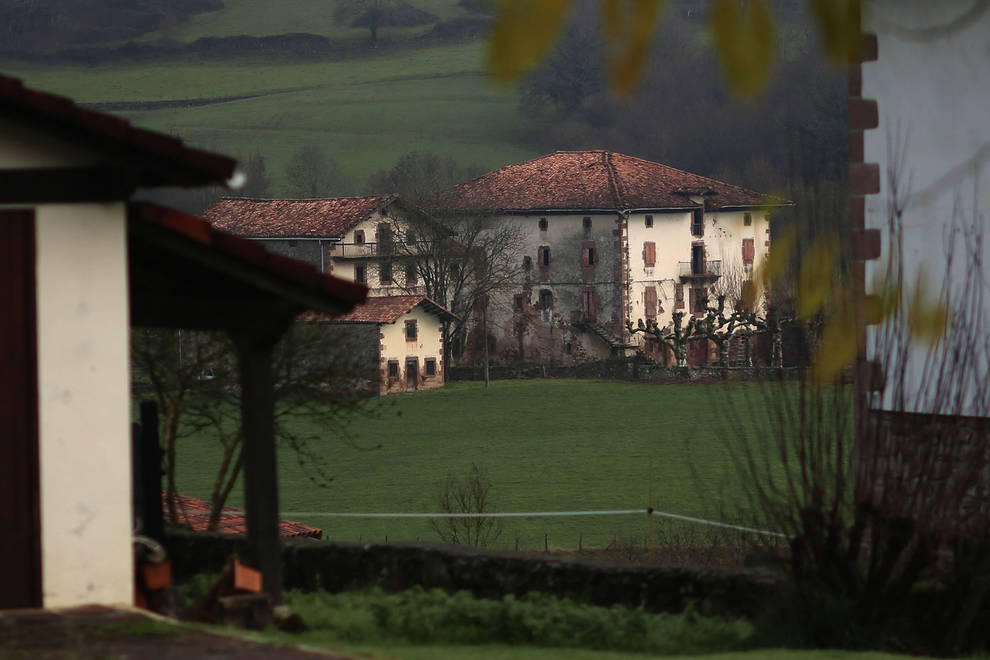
(631, 370)
(334, 566)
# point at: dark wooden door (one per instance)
(20, 502)
(412, 374)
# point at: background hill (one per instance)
(261, 80)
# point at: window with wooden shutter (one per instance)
(589, 305)
(698, 222)
(385, 273)
(412, 277)
(650, 302)
(384, 238)
(649, 254)
(748, 250)
(360, 275)
(678, 296)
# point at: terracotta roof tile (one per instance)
(195, 514)
(381, 309)
(293, 218)
(158, 158)
(593, 180)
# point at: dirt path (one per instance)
(91, 633)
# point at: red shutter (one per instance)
(650, 254)
(650, 302)
(748, 251)
(679, 296)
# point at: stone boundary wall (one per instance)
(631, 370)
(336, 566)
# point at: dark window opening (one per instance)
(747, 219)
(546, 299)
(359, 237)
(649, 221)
(544, 224)
(698, 222)
(699, 300)
(517, 302)
(393, 370)
(412, 277)
(385, 274)
(567, 348)
(590, 256)
(697, 259)
(431, 366)
(384, 238)
(527, 263)
(544, 255)
(587, 223)
(360, 274)
(410, 330)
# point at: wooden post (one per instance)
(255, 350)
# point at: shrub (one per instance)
(434, 616)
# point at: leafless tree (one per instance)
(462, 260)
(470, 495)
(192, 376)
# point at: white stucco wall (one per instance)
(84, 424)
(428, 344)
(932, 86)
(341, 257)
(671, 233)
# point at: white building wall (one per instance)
(428, 344)
(84, 404)
(671, 234)
(932, 87)
(342, 259)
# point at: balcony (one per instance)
(354, 250)
(699, 270)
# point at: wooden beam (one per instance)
(66, 184)
(20, 499)
(255, 349)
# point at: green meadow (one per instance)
(364, 112)
(547, 445)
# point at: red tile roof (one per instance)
(382, 309)
(155, 158)
(300, 275)
(294, 218)
(195, 514)
(593, 180)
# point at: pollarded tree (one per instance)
(676, 335)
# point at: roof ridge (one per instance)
(303, 199)
(613, 178)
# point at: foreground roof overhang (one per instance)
(144, 158)
(184, 273)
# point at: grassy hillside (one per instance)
(552, 445)
(263, 17)
(364, 112)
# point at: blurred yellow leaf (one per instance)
(840, 339)
(743, 36)
(631, 40)
(524, 33)
(817, 275)
(612, 17)
(747, 295)
(925, 320)
(840, 29)
(778, 258)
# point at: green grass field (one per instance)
(364, 112)
(548, 445)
